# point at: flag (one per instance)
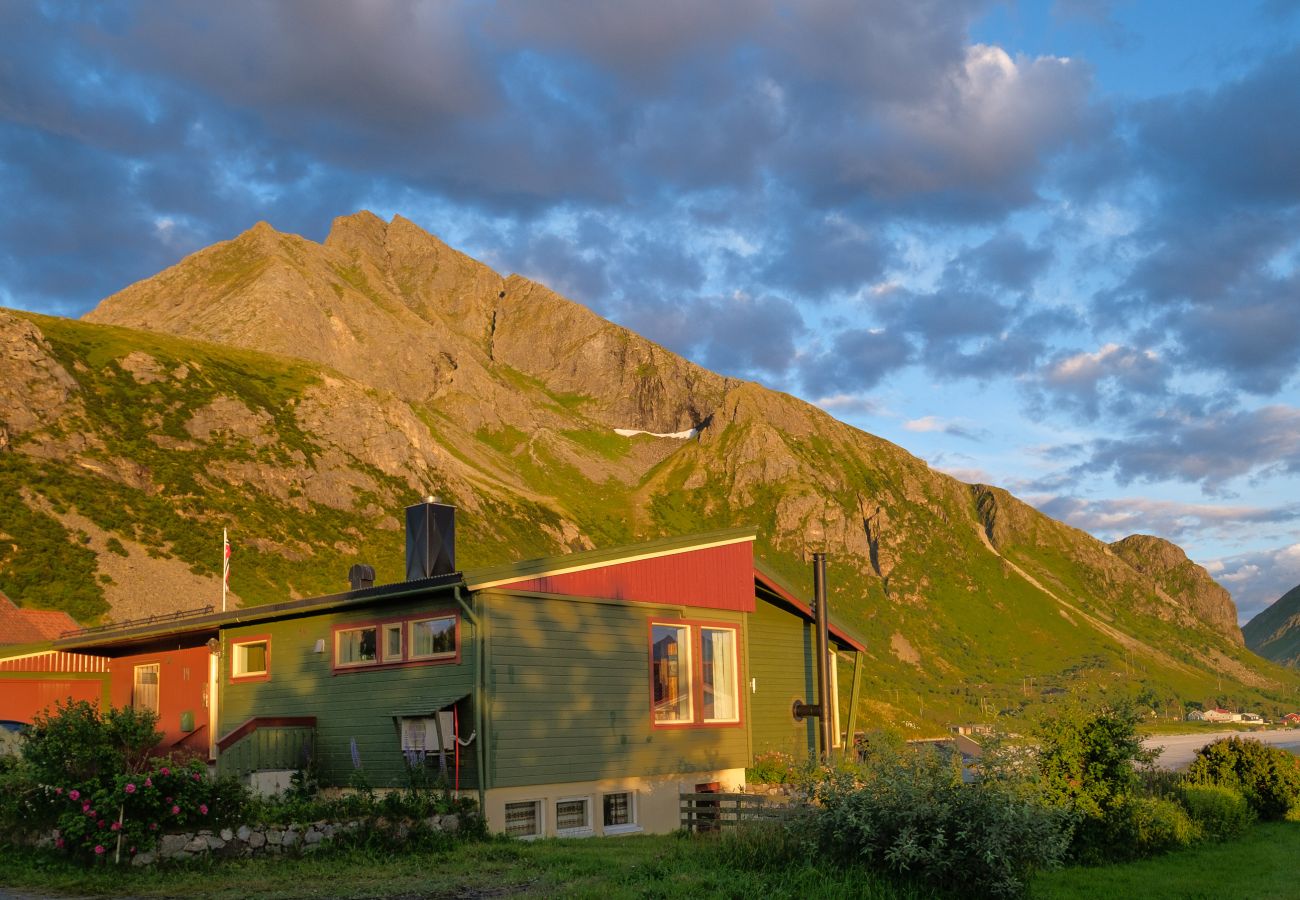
(225, 566)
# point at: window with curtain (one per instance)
(718, 668)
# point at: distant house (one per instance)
(1253, 718)
(1292, 718)
(576, 694)
(1221, 715)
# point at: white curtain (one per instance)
(722, 645)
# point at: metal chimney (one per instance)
(361, 576)
(430, 539)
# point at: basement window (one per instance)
(524, 820)
(251, 658)
(619, 812)
(573, 817)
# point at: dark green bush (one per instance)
(1221, 812)
(76, 743)
(1092, 763)
(914, 817)
(1268, 777)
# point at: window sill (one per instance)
(574, 832)
(611, 830)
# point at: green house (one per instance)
(577, 694)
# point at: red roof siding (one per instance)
(710, 578)
(55, 661)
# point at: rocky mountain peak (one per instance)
(1186, 583)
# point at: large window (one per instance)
(694, 674)
(410, 640)
(718, 671)
(671, 673)
(144, 687)
(250, 658)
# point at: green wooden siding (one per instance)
(280, 747)
(356, 705)
(781, 662)
(569, 688)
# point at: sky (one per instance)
(1051, 246)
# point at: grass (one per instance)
(1260, 865)
(664, 866)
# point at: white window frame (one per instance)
(631, 826)
(735, 673)
(385, 630)
(156, 709)
(359, 664)
(445, 654)
(580, 831)
(686, 674)
(239, 660)
(539, 809)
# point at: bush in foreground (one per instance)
(1219, 812)
(1267, 777)
(914, 817)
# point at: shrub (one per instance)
(771, 768)
(1221, 812)
(1157, 826)
(1091, 762)
(1267, 777)
(75, 743)
(915, 818)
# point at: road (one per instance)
(1179, 749)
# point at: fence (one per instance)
(711, 812)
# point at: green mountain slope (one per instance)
(1274, 633)
(301, 394)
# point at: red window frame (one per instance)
(695, 631)
(381, 661)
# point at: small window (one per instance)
(719, 673)
(356, 646)
(619, 812)
(393, 642)
(432, 638)
(573, 816)
(250, 658)
(670, 673)
(144, 687)
(524, 820)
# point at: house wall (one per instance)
(781, 663)
(24, 694)
(568, 682)
(718, 577)
(359, 704)
(182, 688)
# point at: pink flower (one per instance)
(99, 849)
(168, 799)
(74, 795)
(164, 771)
(116, 826)
(176, 810)
(153, 826)
(58, 791)
(132, 850)
(100, 824)
(196, 776)
(203, 809)
(148, 782)
(85, 807)
(58, 842)
(130, 788)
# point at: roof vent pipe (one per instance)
(361, 576)
(430, 539)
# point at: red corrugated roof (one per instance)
(26, 626)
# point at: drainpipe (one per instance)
(480, 690)
(826, 717)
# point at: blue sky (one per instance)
(1052, 246)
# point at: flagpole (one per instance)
(225, 567)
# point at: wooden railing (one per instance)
(710, 812)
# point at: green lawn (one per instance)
(1261, 865)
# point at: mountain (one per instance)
(1274, 633)
(302, 393)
